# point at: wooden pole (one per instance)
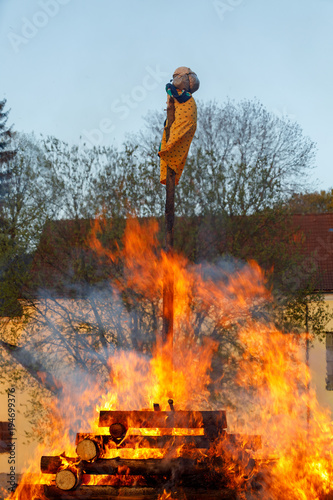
(168, 280)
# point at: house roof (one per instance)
(57, 265)
(315, 232)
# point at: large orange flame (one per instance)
(270, 390)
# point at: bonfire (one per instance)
(157, 432)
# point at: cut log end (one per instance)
(117, 430)
(87, 449)
(66, 480)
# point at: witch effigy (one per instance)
(179, 129)
(181, 122)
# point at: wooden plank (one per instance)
(153, 472)
(127, 493)
(102, 492)
(209, 420)
(51, 465)
(139, 441)
(137, 467)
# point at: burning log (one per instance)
(68, 479)
(154, 472)
(106, 492)
(141, 441)
(166, 419)
(136, 467)
(51, 465)
(182, 471)
(102, 491)
(117, 431)
(246, 442)
(196, 429)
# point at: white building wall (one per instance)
(320, 366)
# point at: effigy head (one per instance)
(185, 79)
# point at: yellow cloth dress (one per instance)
(174, 152)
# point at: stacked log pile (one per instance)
(91, 474)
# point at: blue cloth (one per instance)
(172, 91)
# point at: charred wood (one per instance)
(127, 493)
(117, 431)
(140, 441)
(138, 467)
(51, 465)
(165, 419)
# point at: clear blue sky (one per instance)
(94, 68)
